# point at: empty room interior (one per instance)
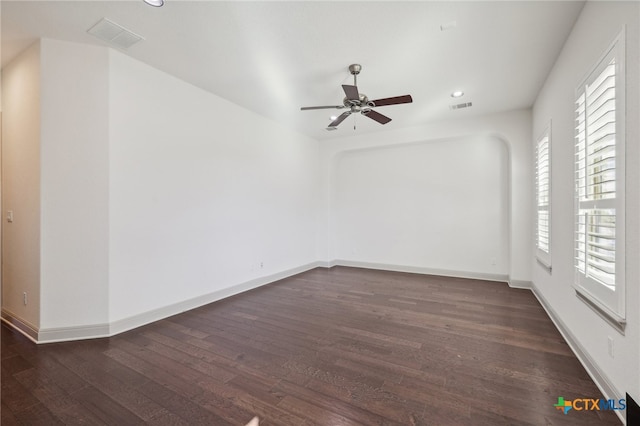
(319, 212)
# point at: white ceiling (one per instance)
(273, 57)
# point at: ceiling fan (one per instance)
(359, 102)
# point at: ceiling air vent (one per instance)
(448, 25)
(460, 106)
(114, 34)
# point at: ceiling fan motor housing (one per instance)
(355, 69)
(357, 105)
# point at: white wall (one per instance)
(201, 192)
(440, 205)
(74, 184)
(596, 28)
(21, 187)
(512, 176)
(151, 194)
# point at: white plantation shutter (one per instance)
(599, 179)
(543, 197)
(596, 178)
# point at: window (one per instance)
(599, 190)
(543, 197)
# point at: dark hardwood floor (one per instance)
(343, 346)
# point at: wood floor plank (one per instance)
(7, 418)
(182, 407)
(392, 407)
(106, 409)
(38, 415)
(339, 346)
(99, 376)
(14, 395)
(207, 369)
(15, 364)
(63, 406)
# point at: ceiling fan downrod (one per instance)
(355, 69)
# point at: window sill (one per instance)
(614, 320)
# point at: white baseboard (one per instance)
(93, 331)
(597, 375)
(528, 285)
(421, 270)
(68, 334)
(28, 330)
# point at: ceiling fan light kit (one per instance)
(357, 102)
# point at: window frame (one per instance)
(542, 256)
(609, 303)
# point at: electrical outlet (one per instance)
(10, 216)
(24, 298)
(610, 346)
(261, 265)
(493, 261)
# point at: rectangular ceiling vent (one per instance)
(114, 34)
(460, 106)
(448, 25)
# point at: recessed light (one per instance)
(154, 3)
(457, 94)
(333, 117)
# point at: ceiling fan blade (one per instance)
(406, 99)
(382, 119)
(351, 92)
(322, 107)
(340, 119)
